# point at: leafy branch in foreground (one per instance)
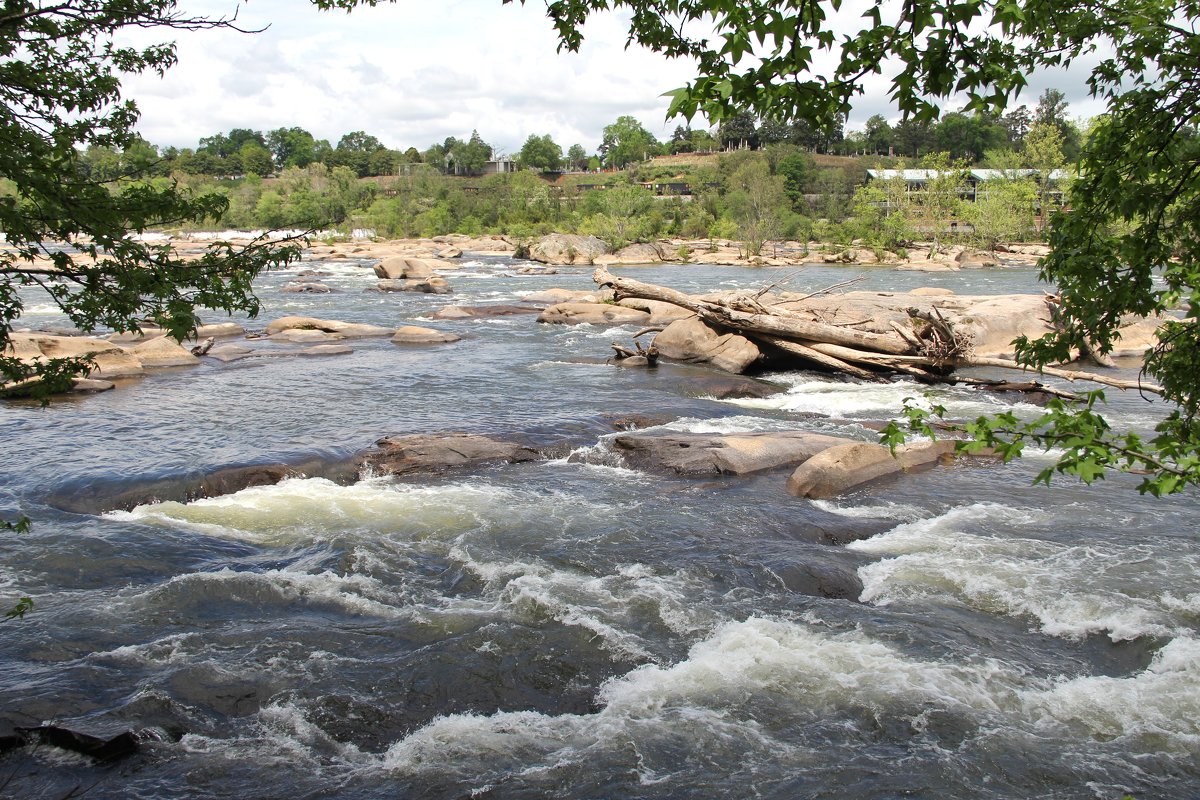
(73, 235)
(1089, 446)
(25, 604)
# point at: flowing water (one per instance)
(572, 629)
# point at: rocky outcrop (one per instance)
(642, 253)
(402, 455)
(163, 352)
(399, 267)
(839, 469)
(413, 334)
(306, 287)
(560, 248)
(693, 341)
(553, 296)
(111, 360)
(434, 285)
(345, 330)
(729, 454)
(660, 313)
(593, 314)
(482, 312)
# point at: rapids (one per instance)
(578, 630)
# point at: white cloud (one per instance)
(413, 73)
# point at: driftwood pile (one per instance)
(928, 349)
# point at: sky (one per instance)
(414, 72)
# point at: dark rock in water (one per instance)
(97, 499)
(314, 273)
(818, 579)
(722, 388)
(401, 455)
(633, 422)
(111, 749)
(708, 454)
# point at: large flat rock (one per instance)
(729, 454)
(401, 455)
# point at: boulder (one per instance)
(413, 334)
(561, 248)
(111, 360)
(660, 313)
(397, 267)
(553, 296)
(304, 336)
(449, 252)
(219, 330)
(90, 385)
(348, 330)
(535, 271)
(734, 453)
(593, 314)
(482, 312)
(402, 455)
(229, 352)
(970, 259)
(695, 342)
(163, 352)
(932, 291)
(839, 469)
(306, 287)
(643, 253)
(434, 285)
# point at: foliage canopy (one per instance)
(74, 233)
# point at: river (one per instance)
(578, 630)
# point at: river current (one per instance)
(578, 630)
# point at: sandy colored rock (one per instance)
(839, 469)
(561, 248)
(414, 334)
(348, 330)
(219, 330)
(660, 313)
(553, 296)
(398, 267)
(733, 454)
(111, 360)
(482, 312)
(90, 385)
(931, 291)
(694, 342)
(592, 314)
(643, 253)
(302, 336)
(163, 352)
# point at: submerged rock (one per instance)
(348, 330)
(592, 314)
(414, 334)
(482, 312)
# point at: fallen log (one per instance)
(754, 323)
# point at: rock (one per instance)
(90, 385)
(303, 336)
(229, 352)
(968, 259)
(482, 312)
(129, 337)
(630, 361)
(219, 330)
(313, 273)
(732, 388)
(816, 579)
(322, 350)
(433, 285)
(932, 291)
(560, 248)
(163, 352)
(842, 468)
(398, 267)
(593, 314)
(111, 360)
(644, 253)
(412, 334)
(927, 265)
(348, 330)
(306, 287)
(402, 455)
(536, 271)
(708, 454)
(660, 313)
(693, 341)
(449, 252)
(553, 296)
(633, 422)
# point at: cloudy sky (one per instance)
(414, 72)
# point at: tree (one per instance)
(467, 158)
(577, 157)
(1043, 152)
(754, 200)
(626, 141)
(354, 150)
(1052, 110)
(1002, 211)
(879, 135)
(739, 131)
(60, 71)
(295, 147)
(540, 153)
